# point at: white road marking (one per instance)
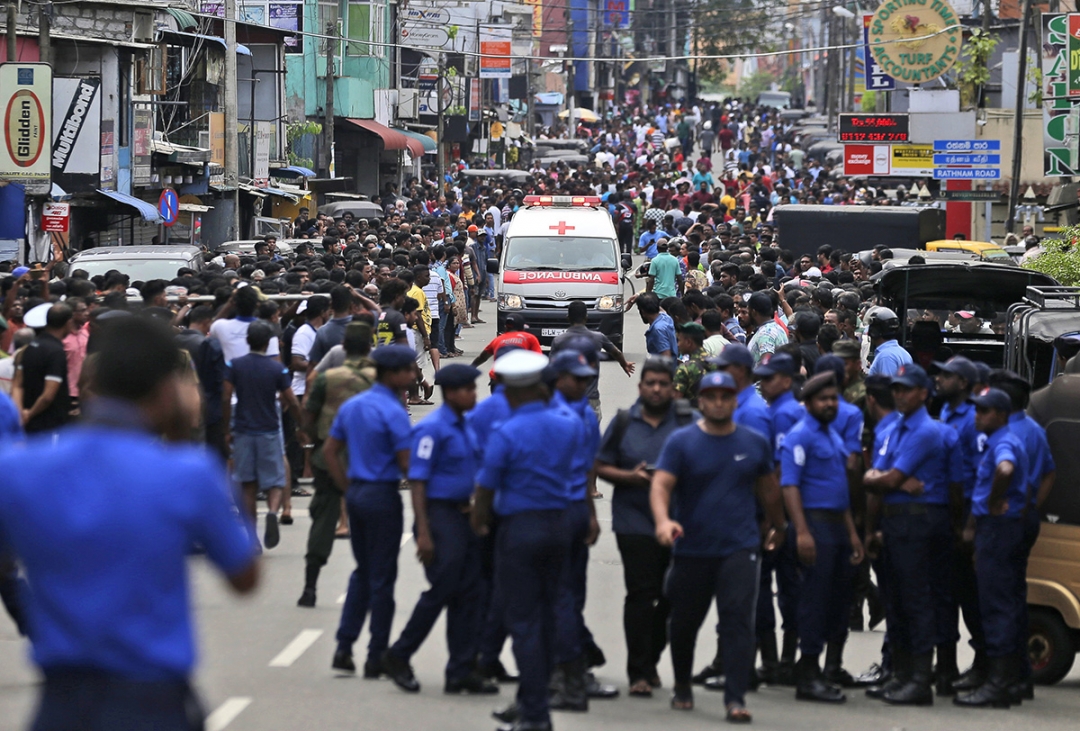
(341, 599)
(226, 713)
(296, 648)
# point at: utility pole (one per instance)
(439, 146)
(571, 82)
(328, 109)
(1018, 119)
(232, 121)
(12, 52)
(44, 39)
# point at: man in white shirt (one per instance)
(317, 309)
(495, 211)
(232, 333)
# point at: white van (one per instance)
(558, 249)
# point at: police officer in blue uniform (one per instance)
(523, 478)
(914, 474)
(373, 429)
(813, 476)
(572, 375)
(1041, 472)
(443, 463)
(102, 518)
(954, 380)
(883, 328)
(776, 374)
(997, 520)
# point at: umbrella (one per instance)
(580, 114)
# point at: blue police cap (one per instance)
(393, 357)
(819, 382)
(961, 366)
(573, 362)
(456, 375)
(734, 354)
(774, 363)
(911, 375)
(983, 371)
(993, 398)
(832, 364)
(718, 379)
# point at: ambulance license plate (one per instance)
(551, 332)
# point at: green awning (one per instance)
(184, 19)
(427, 142)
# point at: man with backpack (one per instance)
(623, 218)
(627, 458)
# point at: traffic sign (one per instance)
(970, 195)
(967, 145)
(976, 159)
(967, 173)
(169, 206)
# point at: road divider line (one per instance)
(296, 648)
(226, 713)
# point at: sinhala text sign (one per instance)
(26, 103)
(915, 40)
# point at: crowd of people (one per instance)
(780, 431)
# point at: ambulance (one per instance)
(558, 250)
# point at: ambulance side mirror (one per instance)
(493, 266)
(627, 262)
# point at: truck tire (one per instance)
(1050, 646)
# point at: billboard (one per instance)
(495, 59)
(1061, 120)
(26, 101)
(76, 145)
(616, 13)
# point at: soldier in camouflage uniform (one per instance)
(690, 372)
(327, 393)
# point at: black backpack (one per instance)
(684, 414)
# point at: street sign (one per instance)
(169, 206)
(967, 145)
(977, 159)
(971, 195)
(874, 127)
(55, 217)
(967, 173)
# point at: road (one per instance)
(265, 663)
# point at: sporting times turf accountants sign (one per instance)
(26, 101)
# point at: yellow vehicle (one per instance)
(986, 250)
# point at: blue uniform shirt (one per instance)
(714, 498)
(882, 430)
(445, 455)
(10, 423)
(1036, 448)
(1001, 446)
(888, 357)
(785, 413)
(527, 460)
(917, 446)
(813, 458)
(849, 425)
(374, 427)
(587, 448)
(962, 419)
(488, 415)
(661, 336)
(752, 412)
(103, 519)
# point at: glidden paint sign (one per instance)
(26, 101)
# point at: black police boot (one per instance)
(973, 677)
(715, 669)
(1020, 691)
(568, 687)
(785, 671)
(496, 672)
(471, 684)
(769, 658)
(901, 672)
(400, 672)
(834, 666)
(994, 693)
(509, 714)
(343, 660)
(525, 726)
(946, 672)
(917, 690)
(811, 684)
(601, 691)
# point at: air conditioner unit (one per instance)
(142, 28)
(408, 103)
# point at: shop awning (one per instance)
(427, 142)
(240, 48)
(181, 154)
(148, 211)
(184, 19)
(392, 139)
(293, 171)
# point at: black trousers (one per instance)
(692, 584)
(92, 700)
(645, 609)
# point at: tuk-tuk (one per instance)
(359, 209)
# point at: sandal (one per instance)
(300, 492)
(682, 699)
(641, 689)
(341, 534)
(428, 390)
(737, 713)
(286, 520)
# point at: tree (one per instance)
(1060, 258)
(756, 83)
(733, 28)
